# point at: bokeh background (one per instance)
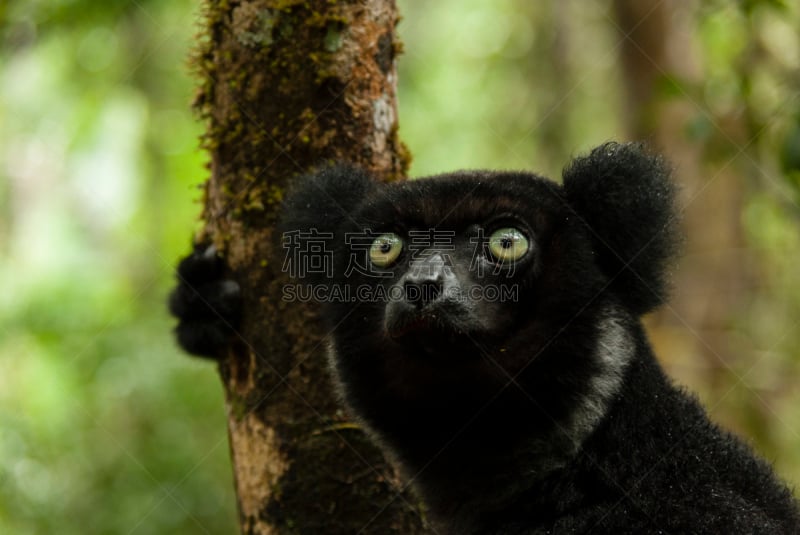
(105, 427)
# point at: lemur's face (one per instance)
(449, 265)
(451, 269)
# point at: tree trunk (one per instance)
(288, 85)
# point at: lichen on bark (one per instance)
(285, 86)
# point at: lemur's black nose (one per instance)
(423, 292)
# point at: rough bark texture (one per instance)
(286, 86)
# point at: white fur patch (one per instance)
(614, 350)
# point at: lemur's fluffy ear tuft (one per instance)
(625, 196)
(323, 199)
(315, 207)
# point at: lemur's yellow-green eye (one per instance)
(508, 244)
(385, 249)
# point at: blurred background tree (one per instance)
(106, 428)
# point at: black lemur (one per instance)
(486, 331)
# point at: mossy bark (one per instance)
(288, 85)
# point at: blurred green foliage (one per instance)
(105, 427)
